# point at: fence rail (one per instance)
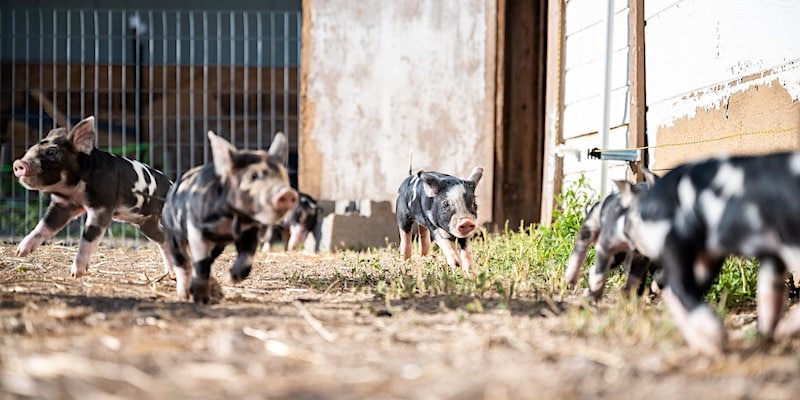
(156, 81)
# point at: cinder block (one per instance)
(358, 225)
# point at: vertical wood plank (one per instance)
(552, 174)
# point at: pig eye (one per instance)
(51, 153)
(255, 175)
(446, 205)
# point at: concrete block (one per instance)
(358, 225)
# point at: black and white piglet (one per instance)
(444, 208)
(700, 213)
(230, 200)
(296, 225)
(83, 179)
(603, 227)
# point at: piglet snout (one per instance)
(466, 226)
(285, 200)
(21, 168)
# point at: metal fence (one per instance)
(156, 81)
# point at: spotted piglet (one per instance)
(295, 227)
(444, 208)
(230, 200)
(603, 227)
(700, 213)
(84, 179)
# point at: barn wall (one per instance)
(721, 67)
(584, 48)
(381, 79)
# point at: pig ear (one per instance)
(82, 135)
(475, 175)
(625, 192)
(279, 148)
(222, 152)
(430, 183)
(649, 176)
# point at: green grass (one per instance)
(525, 262)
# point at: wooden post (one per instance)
(636, 81)
(552, 172)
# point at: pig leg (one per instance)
(597, 274)
(54, 219)
(770, 294)
(179, 260)
(636, 267)
(467, 263)
(203, 254)
(587, 236)
(297, 235)
(96, 223)
(449, 251)
(424, 240)
(699, 325)
(151, 227)
(246, 247)
(405, 243)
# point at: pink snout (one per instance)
(21, 168)
(466, 226)
(285, 200)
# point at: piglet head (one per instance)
(256, 181)
(53, 163)
(453, 201)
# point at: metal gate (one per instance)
(156, 81)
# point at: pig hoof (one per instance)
(199, 291)
(76, 272)
(239, 274)
(704, 332)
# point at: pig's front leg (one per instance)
(448, 250)
(586, 237)
(246, 246)
(97, 220)
(203, 253)
(55, 218)
(465, 255)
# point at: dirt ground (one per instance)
(120, 333)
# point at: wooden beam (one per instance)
(552, 173)
(637, 127)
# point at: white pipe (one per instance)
(607, 58)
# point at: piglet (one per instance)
(295, 226)
(603, 227)
(444, 208)
(699, 214)
(84, 179)
(230, 200)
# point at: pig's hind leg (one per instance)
(424, 240)
(151, 227)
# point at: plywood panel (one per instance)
(381, 79)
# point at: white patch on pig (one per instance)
(455, 196)
(198, 247)
(752, 216)
(650, 237)
(713, 208)
(791, 257)
(794, 163)
(730, 180)
(414, 184)
(686, 194)
(141, 188)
